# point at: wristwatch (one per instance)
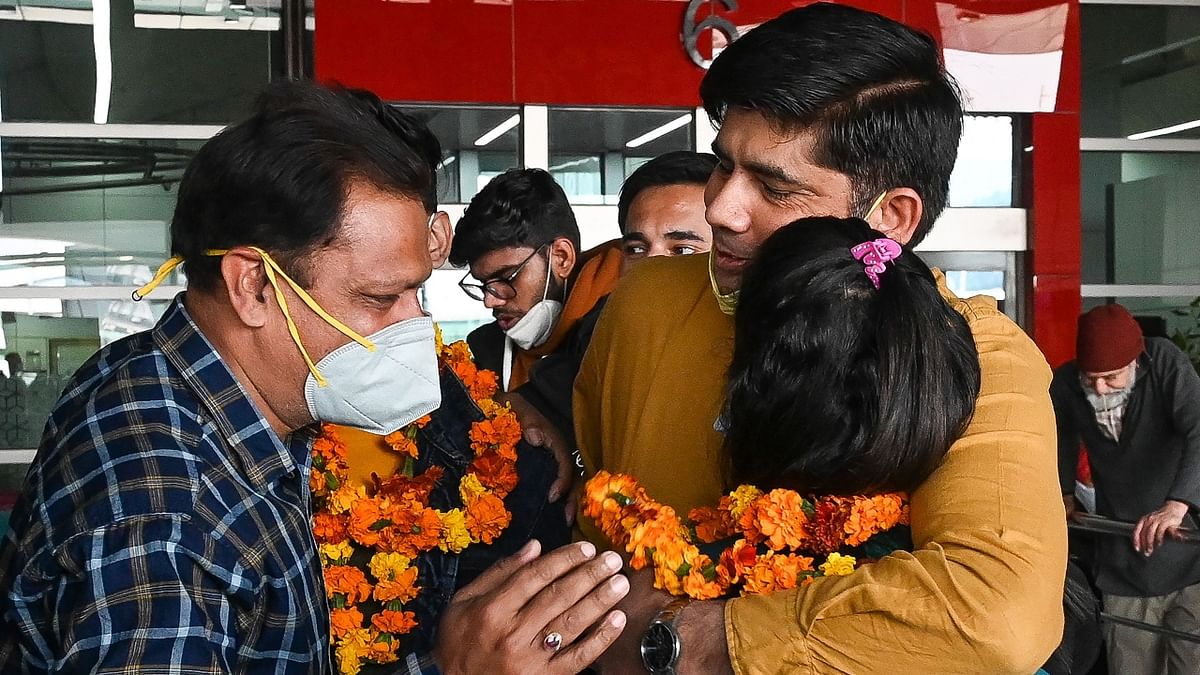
(661, 647)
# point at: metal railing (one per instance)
(1101, 525)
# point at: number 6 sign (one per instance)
(692, 29)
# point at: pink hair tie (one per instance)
(874, 255)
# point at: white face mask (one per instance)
(533, 329)
(383, 390)
(378, 383)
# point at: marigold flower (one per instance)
(470, 488)
(455, 537)
(487, 518)
(364, 518)
(499, 434)
(735, 561)
(386, 566)
(495, 473)
(402, 443)
(737, 501)
(701, 581)
(337, 553)
(872, 515)
(651, 533)
(344, 620)
(774, 572)
(837, 565)
(328, 527)
(317, 484)
(484, 385)
(403, 588)
(424, 533)
(342, 499)
(390, 621)
(826, 529)
(348, 581)
(779, 517)
(382, 649)
(349, 658)
(711, 524)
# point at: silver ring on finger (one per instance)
(553, 641)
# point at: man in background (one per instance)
(1134, 402)
(661, 208)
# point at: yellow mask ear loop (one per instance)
(875, 204)
(271, 268)
(159, 276)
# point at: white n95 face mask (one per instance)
(378, 383)
(536, 327)
(383, 390)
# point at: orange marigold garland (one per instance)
(780, 539)
(391, 523)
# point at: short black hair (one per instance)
(520, 207)
(279, 179)
(874, 92)
(681, 167)
(837, 387)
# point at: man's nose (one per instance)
(492, 302)
(726, 207)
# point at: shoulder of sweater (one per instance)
(654, 284)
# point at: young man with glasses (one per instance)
(520, 242)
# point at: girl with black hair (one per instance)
(850, 374)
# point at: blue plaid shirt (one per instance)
(164, 526)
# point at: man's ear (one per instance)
(242, 272)
(562, 257)
(441, 235)
(899, 214)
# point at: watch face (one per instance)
(660, 647)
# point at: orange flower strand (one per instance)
(781, 519)
(392, 515)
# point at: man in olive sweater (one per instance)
(1134, 403)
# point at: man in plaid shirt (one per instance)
(165, 522)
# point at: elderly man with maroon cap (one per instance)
(1134, 403)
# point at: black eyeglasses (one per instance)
(500, 288)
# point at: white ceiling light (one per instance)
(1175, 128)
(678, 122)
(447, 162)
(101, 41)
(501, 129)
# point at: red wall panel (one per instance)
(439, 50)
(1054, 233)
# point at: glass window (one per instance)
(50, 339)
(991, 273)
(47, 62)
(478, 143)
(1141, 218)
(164, 62)
(87, 212)
(1141, 71)
(455, 312)
(983, 174)
(592, 151)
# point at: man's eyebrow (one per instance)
(634, 236)
(762, 169)
(683, 235)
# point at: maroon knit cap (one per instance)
(1109, 339)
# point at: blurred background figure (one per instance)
(1134, 402)
(661, 208)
